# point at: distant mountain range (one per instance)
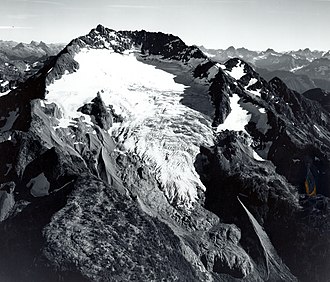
(301, 70)
(18, 61)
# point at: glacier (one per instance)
(156, 126)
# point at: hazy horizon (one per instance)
(282, 25)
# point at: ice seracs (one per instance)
(156, 126)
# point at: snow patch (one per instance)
(39, 186)
(252, 81)
(5, 93)
(255, 92)
(296, 68)
(238, 117)
(3, 84)
(237, 72)
(208, 54)
(257, 157)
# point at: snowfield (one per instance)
(237, 119)
(240, 115)
(237, 72)
(156, 126)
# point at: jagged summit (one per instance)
(270, 50)
(19, 45)
(155, 43)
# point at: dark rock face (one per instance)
(319, 69)
(217, 91)
(98, 110)
(319, 95)
(301, 70)
(76, 206)
(299, 83)
(292, 148)
(227, 170)
(128, 246)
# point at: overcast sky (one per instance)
(254, 24)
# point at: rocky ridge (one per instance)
(301, 70)
(18, 61)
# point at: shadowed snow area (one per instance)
(157, 127)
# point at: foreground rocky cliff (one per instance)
(131, 156)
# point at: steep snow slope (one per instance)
(156, 126)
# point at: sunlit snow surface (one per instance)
(252, 81)
(237, 119)
(237, 72)
(156, 126)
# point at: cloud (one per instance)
(21, 16)
(133, 6)
(14, 27)
(227, 1)
(45, 2)
(163, 5)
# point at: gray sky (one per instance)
(254, 24)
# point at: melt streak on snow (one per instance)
(156, 126)
(272, 259)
